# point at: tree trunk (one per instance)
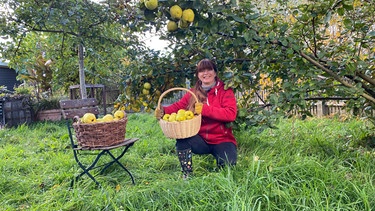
(82, 84)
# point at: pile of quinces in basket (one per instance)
(180, 116)
(91, 118)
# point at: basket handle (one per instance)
(76, 119)
(173, 89)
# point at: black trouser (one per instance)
(225, 153)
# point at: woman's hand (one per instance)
(159, 113)
(198, 108)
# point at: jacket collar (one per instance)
(219, 84)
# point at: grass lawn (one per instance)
(316, 164)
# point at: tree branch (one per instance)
(329, 98)
(18, 45)
(314, 37)
(366, 78)
(336, 4)
(364, 86)
(32, 28)
(335, 76)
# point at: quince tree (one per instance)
(297, 50)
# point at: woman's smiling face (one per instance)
(207, 76)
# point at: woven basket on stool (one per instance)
(183, 129)
(100, 134)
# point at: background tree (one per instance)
(297, 50)
(292, 43)
(73, 30)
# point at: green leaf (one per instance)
(248, 36)
(239, 41)
(228, 75)
(198, 5)
(217, 8)
(236, 18)
(328, 17)
(208, 54)
(252, 16)
(341, 11)
(284, 42)
(348, 6)
(271, 35)
(321, 54)
(348, 23)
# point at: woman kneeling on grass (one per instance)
(218, 108)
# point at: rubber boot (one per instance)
(186, 161)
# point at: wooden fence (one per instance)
(319, 107)
(105, 95)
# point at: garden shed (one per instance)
(8, 76)
(13, 111)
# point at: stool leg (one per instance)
(122, 166)
(116, 160)
(87, 169)
(88, 174)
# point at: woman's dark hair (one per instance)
(202, 65)
(205, 64)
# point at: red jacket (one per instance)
(219, 109)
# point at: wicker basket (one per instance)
(183, 129)
(100, 134)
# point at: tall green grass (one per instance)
(316, 164)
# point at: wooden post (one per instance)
(104, 94)
(322, 109)
(2, 116)
(93, 89)
(325, 108)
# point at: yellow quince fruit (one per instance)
(151, 4)
(180, 117)
(172, 117)
(89, 118)
(119, 114)
(181, 111)
(108, 118)
(189, 115)
(166, 117)
(188, 15)
(183, 24)
(176, 12)
(172, 26)
(145, 91)
(147, 85)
